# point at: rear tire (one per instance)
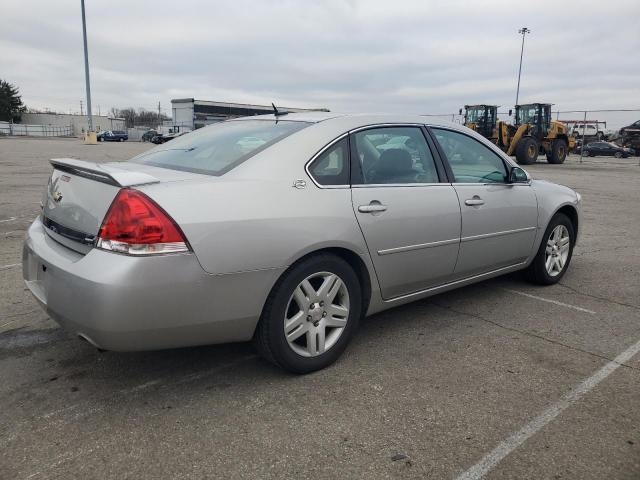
(527, 151)
(558, 151)
(554, 255)
(299, 317)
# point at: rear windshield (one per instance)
(216, 149)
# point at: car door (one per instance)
(410, 219)
(499, 219)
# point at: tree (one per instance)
(11, 106)
(142, 117)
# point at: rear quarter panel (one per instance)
(243, 225)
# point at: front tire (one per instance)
(527, 151)
(555, 252)
(618, 155)
(558, 152)
(310, 315)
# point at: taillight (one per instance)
(136, 225)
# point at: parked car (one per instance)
(112, 136)
(148, 135)
(289, 244)
(607, 148)
(160, 138)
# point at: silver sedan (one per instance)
(286, 231)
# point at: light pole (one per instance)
(86, 67)
(523, 31)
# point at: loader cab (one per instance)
(537, 115)
(481, 118)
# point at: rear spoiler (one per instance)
(109, 174)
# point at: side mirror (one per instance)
(518, 175)
(510, 112)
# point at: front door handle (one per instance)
(475, 201)
(372, 208)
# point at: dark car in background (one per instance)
(112, 136)
(148, 135)
(607, 149)
(160, 138)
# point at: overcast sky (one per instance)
(400, 56)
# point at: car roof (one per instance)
(355, 120)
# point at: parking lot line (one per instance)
(548, 300)
(489, 461)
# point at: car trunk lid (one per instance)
(79, 194)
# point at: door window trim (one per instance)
(356, 171)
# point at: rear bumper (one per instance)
(124, 303)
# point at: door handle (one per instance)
(475, 201)
(372, 208)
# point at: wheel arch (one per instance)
(571, 212)
(365, 273)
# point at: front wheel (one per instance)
(558, 152)
(554, 255)
(527, 151)
(618, 155)
(310, 315)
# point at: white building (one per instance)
(78, 123)
(189, 114)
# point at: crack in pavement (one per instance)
(534, 335)
(622, 304)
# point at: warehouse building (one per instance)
(189, 114)
(78, 124)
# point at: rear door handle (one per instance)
(475, 201)
(372, 208)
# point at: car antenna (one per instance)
(277, 112)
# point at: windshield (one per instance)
(216, 149)
(473, 114)
(528, 115)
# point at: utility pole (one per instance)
(523, 31)
(86, 66)
(159, 115)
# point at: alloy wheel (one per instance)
(557, 250)
(316, 314)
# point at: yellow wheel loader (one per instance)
(533, 133)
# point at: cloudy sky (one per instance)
(426, 56)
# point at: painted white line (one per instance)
(10, 219)
(548, 300)
(480, 469)
(7, 267)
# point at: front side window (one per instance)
(393, 155)
(218, 148)
(332, 166)
(470, 160)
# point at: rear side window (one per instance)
(332, 166)
(216, 149)
(394, 155)
(470, 160)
